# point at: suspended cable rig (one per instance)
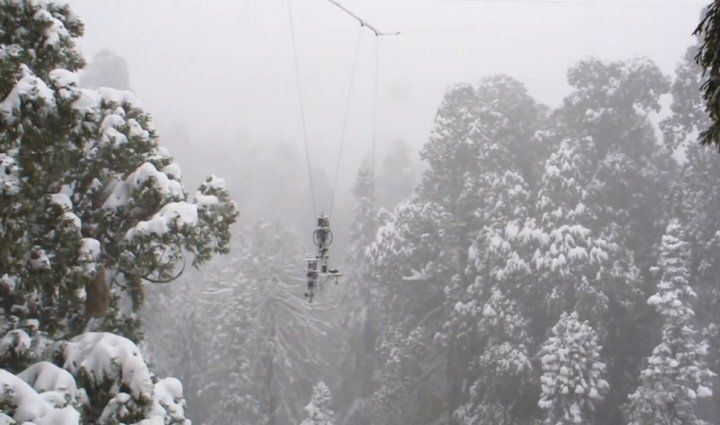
(318, 267)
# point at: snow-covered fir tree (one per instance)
(488, 316)
(608, 109)
(580, 265)
(573, 379)
(698, 203)
(202, 331)
(447, 152)
(451, 157)
(676, 374)
(289, 328)
(95, 377)
(410, 262)
(91, 202)
(403, 361)
(688, 119)
(397, 175)
(623, 177)
(359, 308)
(504, 369)
(364, 225)
(488, 168)
(257, 342)
(227, 383)
(319, 409)
(91, 210)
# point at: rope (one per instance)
(345, 120)
(375, 120)
(302, 107)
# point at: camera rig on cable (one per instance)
(318, 269)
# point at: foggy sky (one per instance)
(220, 72)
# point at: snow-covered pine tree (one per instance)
(364, 225)
(503, 368)
(573, 379)
(404, 360)
(688, 119)
(91, 206)
(397, 175)
(227, 308)
(289, 329)
(320, 407)
(97, 377)
(174, 335)
(487, 163)
(676, 374)
(488, 317)
(698, 206)
(625, 178)
(359, 309)
(608, 109)
(447, 152)
(256, 342)
(411, 261)
(579, 267)
(707, 57)
(202, 330)
(452, 159)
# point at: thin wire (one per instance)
(375, 120)
(302, 107)
(345, 119)
(585, 2)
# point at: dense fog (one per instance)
(524, 225)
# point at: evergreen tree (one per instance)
(489, 167)
(573, 375)
(202, 331)
(707, 57)
(490, 319)
(504, 367)
(697, 202)
(289, 328)
(397, 175)
(401, 392)
(676, 374)
(579, 268)
(688, 119)
(448, 152)
(411, 262)
(320, 407)
(227, 305)
(359, 309)
(364, 225)
(623, 179)
(95, 378)
(92, 207)
(608, 112)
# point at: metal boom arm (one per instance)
(362, 21)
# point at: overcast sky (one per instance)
(221, 71)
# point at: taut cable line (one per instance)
(302, 106)
(345, 119)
